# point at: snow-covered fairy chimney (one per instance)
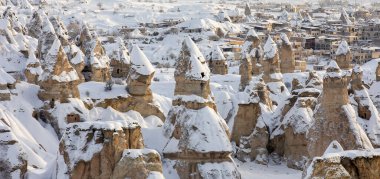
(197, 134)
(217, 62)
(33, 67)
(271, 65)
(287, 57)
(335, 118)
(344, 56)
(120, 60)
(192, 73)
(59, 80)
(140, 74)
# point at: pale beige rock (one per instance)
(245, 71)
(334, 118)
(360, 165)
(102, 163)
(287, 57)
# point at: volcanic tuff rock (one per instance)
(120, 60)
(358, 164)
(217, 62)
(198, 137)
(103, 149)
(335, 118)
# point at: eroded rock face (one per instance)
(346, 164)
(271, 62)
(249, 109)
(199, 142)
(33, 68)
(245, 71)
(120, 60)
(97, 62)
(334, 118)
(59, 80)
(140, 74)
(192, 73)
(97, 150)
(344, 56)
(286, 55)
(217, 62)
(138, 163)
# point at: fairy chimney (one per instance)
(140, 74)
(252, 47)
(335, 118)
(33, 68)
(287, 55)
(13, 19)
(245, 71)
(344, 56)
(217, 62)
(59, 79)
(187, 121)
(249, 109)
(45, 41)
(97, 62)
(271, 65)
(60, 30)
(77, 60)
(191, 73)
(120, 60)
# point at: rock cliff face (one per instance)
(335, 118)
(198, 138)
(345, 164)
(104, 149)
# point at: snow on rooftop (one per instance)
(270, 48)
(140, 62)
(343, 48)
